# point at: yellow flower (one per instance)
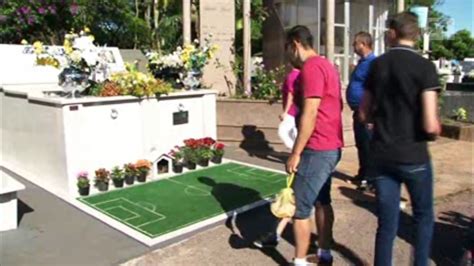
(38, 46)
(24, 42)
(67, 47)
(92, 37)
(86, 29)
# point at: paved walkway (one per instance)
(51, 232)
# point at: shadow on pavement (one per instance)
(453, 231)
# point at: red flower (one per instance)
(220, 146)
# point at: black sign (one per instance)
(180, 118)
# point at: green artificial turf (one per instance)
(160, 207)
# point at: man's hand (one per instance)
(282, 116)
(292, 163)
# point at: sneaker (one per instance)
(322, 261)
(269, 240)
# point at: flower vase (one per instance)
(204, 162)
(191, 165)
(129, 179)
(118, 182)
(142, 177)
(73, 80)
(217, 159)
(177, 167)
(84, 191)
(192, 79)
(102, 186)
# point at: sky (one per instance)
(462, 14)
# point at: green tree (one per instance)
(46, 20)
(461, 44)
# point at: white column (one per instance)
(330, 34)
(400, 6)
(426, 43)
(186, 21)
(318, 34)
(247, 47)
(347, 26)
(371, 18)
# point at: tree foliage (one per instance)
(459, 46)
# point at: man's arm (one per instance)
(431, 125)
(365, 107)
(305, 130)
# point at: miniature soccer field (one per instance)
(163, 206)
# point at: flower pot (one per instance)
(129, 179)
(217, 159)
(178, 168)
(142, 177)
(102, 186)
(204, 162)
(118, 182)
(84, 191)
(191, 166)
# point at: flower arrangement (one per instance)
(102, 179)
(183, 67)
(177, 154)
(78, 52)
(198, 150)
(143, 168)
(133, 82)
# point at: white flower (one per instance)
(91, 57)
(76, 56)
(83, 43)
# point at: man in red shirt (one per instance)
(317, 149)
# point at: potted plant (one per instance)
(102, 179)
(189, 151)
(117, 176)
(218, 153)
(130, 171)
(178, 159)
(204, 154)
(143, 168)
(83, 183)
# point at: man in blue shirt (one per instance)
(362, 132)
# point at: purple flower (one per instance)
(31, 20)
(3, 18)
(42, 10)
(25, 9)
(74, 8)
(52, 9)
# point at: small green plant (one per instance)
(117, 173)
(460, 114)
(129, 169)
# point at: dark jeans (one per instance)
(362, 137)
(418, 179)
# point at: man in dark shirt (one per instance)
(401, 100)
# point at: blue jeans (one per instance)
(314, 171)
(418, 179)
(362, 137)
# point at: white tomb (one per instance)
(8, 201)
(49, 139)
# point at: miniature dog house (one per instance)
(162, 164)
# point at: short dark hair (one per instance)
(405, 25)
(365, 38)
(300, 34)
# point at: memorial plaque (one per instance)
(217, 23)
(180, 118)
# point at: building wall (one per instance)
(311, 13)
